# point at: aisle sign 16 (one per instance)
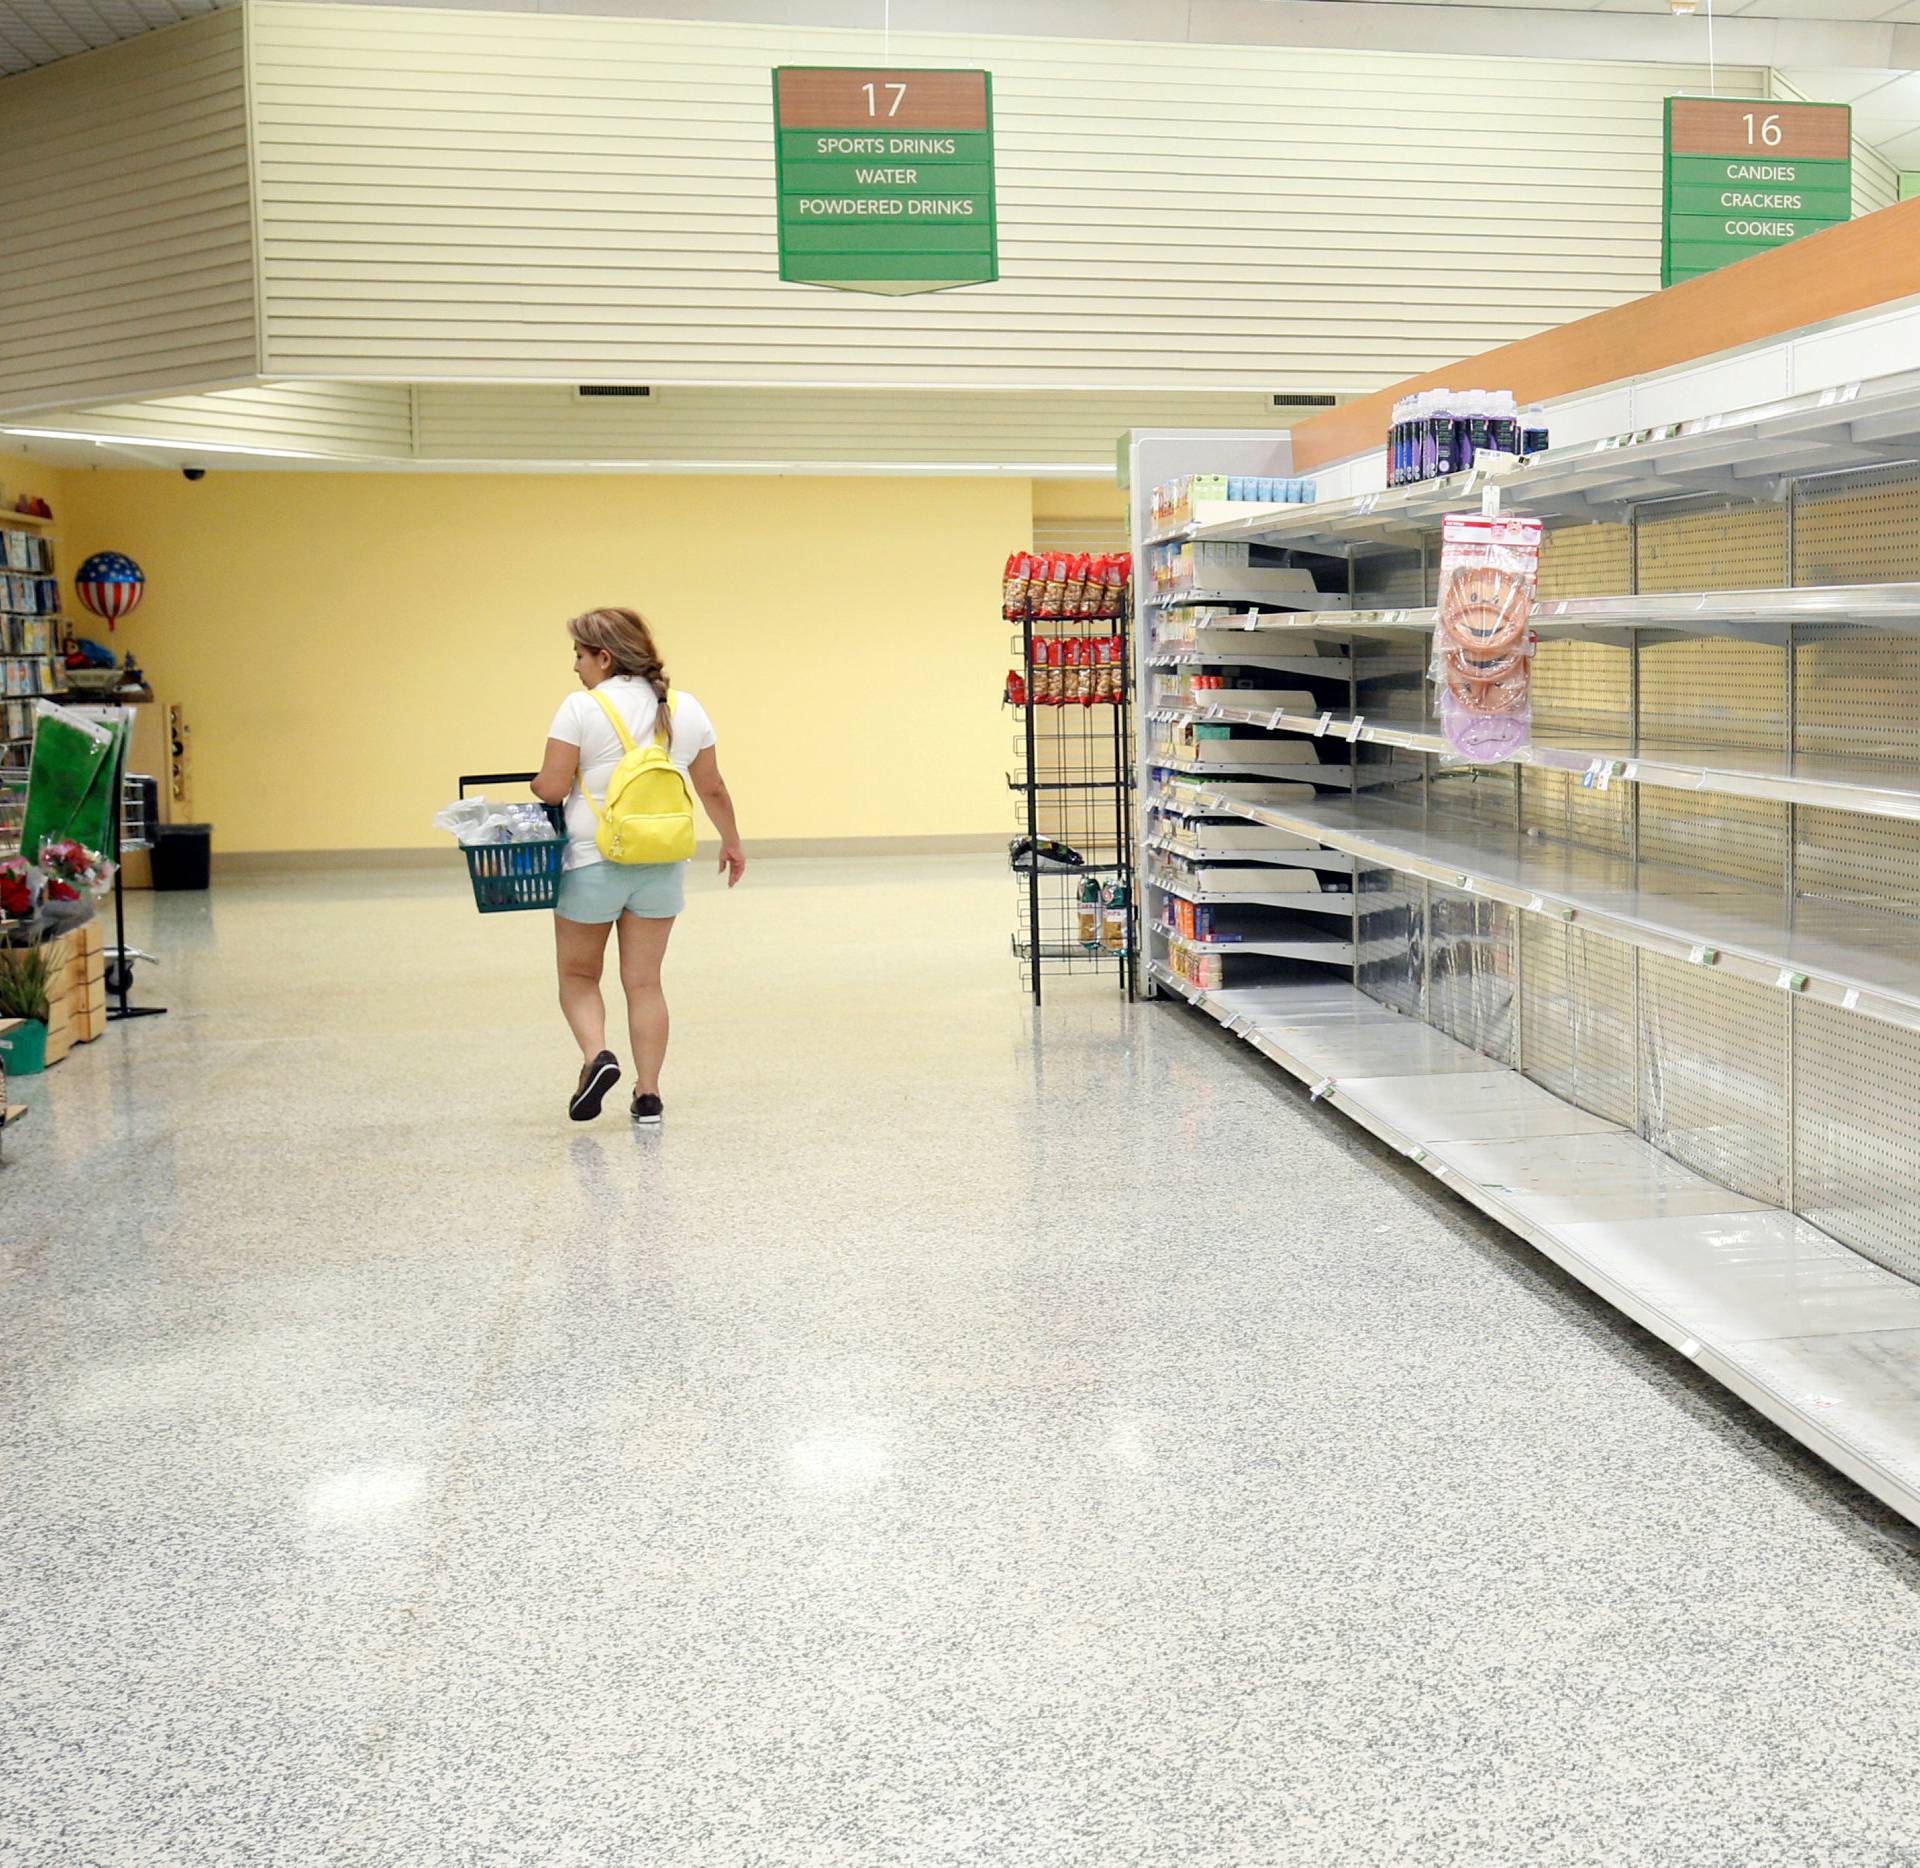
(885, 178)
(1745, 174)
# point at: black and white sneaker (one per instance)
(647, 1110)
(597, 1077)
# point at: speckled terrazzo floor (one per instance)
(954, 1440)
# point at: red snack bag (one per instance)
(1015, 692)
(1013, 586)
(1079, 569)
(1114, 571)
(1096, 585)
(1046, 691)
(1054, 590)
(1041, 654)
(1083, 670)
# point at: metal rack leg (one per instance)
(123, 1009)
(1033, 816)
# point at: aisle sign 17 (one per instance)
(1745, 174)
(885, 178)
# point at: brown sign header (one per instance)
(812, 98)
(1753, 126)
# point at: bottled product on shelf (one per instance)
(1174, 501)
(1436, 432)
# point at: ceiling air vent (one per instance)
(592, 392)
(1304, 402)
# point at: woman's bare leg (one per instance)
(580, 947)
(643, 945)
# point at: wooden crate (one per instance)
(76, 989)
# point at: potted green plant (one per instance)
(23, 994)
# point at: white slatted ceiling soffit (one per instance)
(37, 32)
(514, 196)
(128, 238)
(545, 425)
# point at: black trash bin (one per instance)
(182, 856)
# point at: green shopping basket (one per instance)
(511, 876)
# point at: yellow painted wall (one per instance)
(346, 644)
(1065, 500)
(21, 472)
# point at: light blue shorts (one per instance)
(601, 892)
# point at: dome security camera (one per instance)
(193, 473)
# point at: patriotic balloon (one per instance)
(110, 584)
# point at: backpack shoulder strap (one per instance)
(613, 713)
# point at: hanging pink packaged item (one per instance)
(1483, 648)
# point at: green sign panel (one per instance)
(1744, 175)
(885, 178)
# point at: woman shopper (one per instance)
(625, 688)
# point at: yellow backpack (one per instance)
(648, 814)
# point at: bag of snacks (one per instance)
(1013, 585)
(1483, 647)
(1073, 591)
(1047, 654)
(1084, 657)
(1054, 589)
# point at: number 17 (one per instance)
(899, 97)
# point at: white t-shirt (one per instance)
(582, 722)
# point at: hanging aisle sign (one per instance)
(1745, 174)
(885, 178)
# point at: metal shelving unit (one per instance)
(1649, 993)
(1854, 957)
(1767, 1304)
(1743, 454)
(16, 748)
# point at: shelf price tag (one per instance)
(1416, 1154)
(1353, 727)
(1790, 981)
(1632, 771)
(1591, 776)
(1702, 955)
(1850, 999)
(1320, 726)
(1320, 1089)
(1536, 904)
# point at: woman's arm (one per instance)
(555, 778)
(712, 788)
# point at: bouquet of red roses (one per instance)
(72, 870)
(16, 890)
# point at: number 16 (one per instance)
(899, 97)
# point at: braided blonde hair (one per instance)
(625, 637)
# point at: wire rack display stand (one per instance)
(136, 821)
(1073, 785)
